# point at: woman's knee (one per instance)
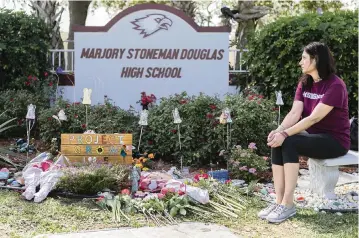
(289, 141)
(276, 156)
(289, 150)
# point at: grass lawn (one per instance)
(19, 218)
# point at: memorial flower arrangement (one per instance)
(145, 162)
(245, 163)
(166, 207)
(147, 100)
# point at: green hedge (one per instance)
(275, 51)
(104, 118)
(24, 44)
(202, 136)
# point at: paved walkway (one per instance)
(183, 230)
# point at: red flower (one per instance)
(50, 84)
(83, 126)
(174, 131)
(215, 123)
(29, 77)
(46, 74)
(100, 198)
(197, 177)
(212, 106)
(251, 97)
(228, 181)
(76, 116)
(150, 142)
(275, 109)
(209, 115)
(27, 83)
(49, 118)
(125, 192)
(260, 96)
(183, 101)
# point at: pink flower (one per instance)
(252, 145)
(243, 168)
(252, 170)
(265, 158)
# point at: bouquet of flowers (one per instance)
(147, 100)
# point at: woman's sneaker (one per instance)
(281, 213)
(266, 211)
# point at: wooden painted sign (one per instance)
(111, 148)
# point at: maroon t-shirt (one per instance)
(332, 92)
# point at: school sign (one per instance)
(152, 48)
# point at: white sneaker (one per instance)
(281, 213)
(265, 212)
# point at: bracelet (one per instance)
(285, 134)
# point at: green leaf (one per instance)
(173, 211)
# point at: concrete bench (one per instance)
(324, 174)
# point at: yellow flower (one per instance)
(151, 156)
(144, 160)
(139, 165)
(145, 169)
(100, 150)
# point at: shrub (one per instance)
(93, 178)
(253, 118)
(104, 118)
(275, 51)
(202, 136)
(199, 137)
(245, 163)
(24, 44)
(39, 92)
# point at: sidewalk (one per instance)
(183, 230)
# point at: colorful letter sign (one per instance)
(111, 148)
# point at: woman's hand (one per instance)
(270, 136)
(277, 140)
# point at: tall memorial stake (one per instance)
(142, 122)
(177, 120)
(30, 122)
(225, 118)
(87, 101)
(279, 102)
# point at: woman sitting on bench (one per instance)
(320, 108)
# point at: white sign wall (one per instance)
(149, 48)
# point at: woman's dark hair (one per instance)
(325, 63)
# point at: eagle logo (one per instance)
(151, 24)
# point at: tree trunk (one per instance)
(188, 7)
(51, 12)
(247, 20)
(78, 14)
